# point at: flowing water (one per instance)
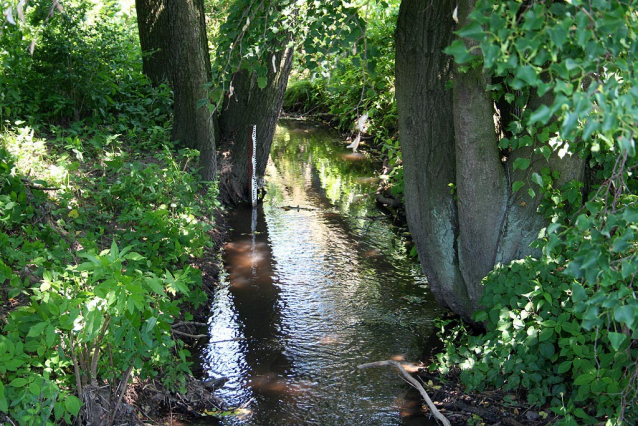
(323, 285)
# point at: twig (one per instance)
(185, 323)
(192, 336)
(76, 367)
(123, 385)
(236, 339)
(32, 185)
(413, 382)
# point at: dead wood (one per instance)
(412, 381)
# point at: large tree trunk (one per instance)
(190, 61)
(426, 125)
(187, 67)
(153, 24)
(448, 137)
(248, 106)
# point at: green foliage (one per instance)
(302, 96)
(357, 82)
(252, 32)
(79, 64)
(563, 327)
(81, 301)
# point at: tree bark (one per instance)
(173, 39)
(481, 186)
(426, 124)
(193, 126)
(153, 25)
(449, 137)
(248, 106)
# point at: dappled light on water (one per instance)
(317, 290)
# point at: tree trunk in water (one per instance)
(250, 106)
(153, 24)
(448, 138)
(178, 29)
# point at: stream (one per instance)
(323, 285)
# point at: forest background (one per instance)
(104, 220)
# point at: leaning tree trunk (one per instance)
(179, 29)
(448, 139)
(248, 106)
(153, 24)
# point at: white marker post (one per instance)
(253, 190)
(254, 168)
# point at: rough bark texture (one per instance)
(249, 106)
(449, 137)
(153, 24)
(426, 126)
(481, 186)
(193, 127)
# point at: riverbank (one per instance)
(109, 249)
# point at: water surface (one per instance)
(323, 285)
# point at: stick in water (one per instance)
(414, 383)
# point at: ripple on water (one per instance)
(315, 293)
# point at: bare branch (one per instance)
(412, 381)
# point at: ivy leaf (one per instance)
(616, 339)
(473, 31)
(262, 82)
(537, 179)
(542, 115)
(459, 51)
(528, 74)
(517, 185)
(627, 314)
(521, 163)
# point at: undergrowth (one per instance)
(101, 218)
(96, 238)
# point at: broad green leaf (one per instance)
(616, 339)
(37, 329)
(542, 115)
(584, 379)
(564, 367)
(537, 179)
(262, 82)
(35, 388)
(517, 185)
(134, 256)
(18, 383)
(627, 314)
(473, 31)
(521, 163)
(459, 51)
(72, 404)
(4, 406)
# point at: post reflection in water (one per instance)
(317, 289)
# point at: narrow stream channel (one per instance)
(316, 291)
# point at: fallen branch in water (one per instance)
(186, 323)
(192, 336)
(414, 382)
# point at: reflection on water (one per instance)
(318, 289)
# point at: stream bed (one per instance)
(323, 285)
